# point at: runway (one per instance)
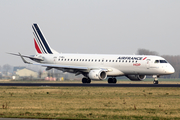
(88, 85)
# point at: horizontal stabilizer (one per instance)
(30, 57)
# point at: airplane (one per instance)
(97, 66)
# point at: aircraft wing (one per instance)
(49, 66)
(66, 68)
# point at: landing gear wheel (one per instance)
(155, 79)
(112, 80)
(155, 82)
(86, 80)
(109, 80)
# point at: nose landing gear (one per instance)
(155, 82)
(155, 79)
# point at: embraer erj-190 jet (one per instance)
(97, 66)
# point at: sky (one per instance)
(90, 26)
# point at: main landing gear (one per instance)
(155, 79)
(112, 80)
(86, 80)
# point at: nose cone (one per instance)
(170, 70)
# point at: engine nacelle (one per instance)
(136, 77)
(97, 75)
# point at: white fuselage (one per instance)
(117, 65)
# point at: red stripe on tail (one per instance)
(37, 47)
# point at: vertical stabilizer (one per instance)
(40, 42)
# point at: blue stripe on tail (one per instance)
(42, 39)
(39, 42)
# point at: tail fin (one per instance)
(41, 45)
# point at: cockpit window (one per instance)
(156, 61)
(160, 61)
(163, 61)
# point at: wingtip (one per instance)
(24, 59)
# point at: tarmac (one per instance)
(88, 85)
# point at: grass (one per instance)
(90, 103)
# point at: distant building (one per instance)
(18, 68)
(25, 73)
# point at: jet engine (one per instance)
(136, 77)
(97, 75)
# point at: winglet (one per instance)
(24, 59)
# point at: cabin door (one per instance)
(148, 63)
(55, 60)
